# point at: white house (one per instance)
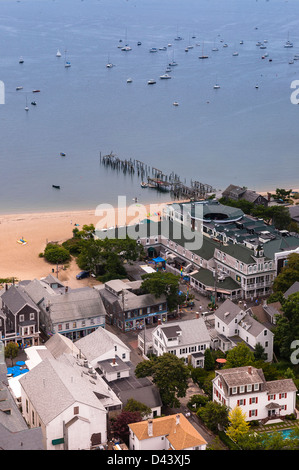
(172, 432)
(102, 345)
(246, 387)
(64, 404)
(186, 339)
(234, 324)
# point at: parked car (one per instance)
(82, 275)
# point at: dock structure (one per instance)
(156, 179)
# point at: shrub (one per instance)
(56, 254)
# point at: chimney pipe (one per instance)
(150, 427)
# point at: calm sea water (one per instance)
(237, 134)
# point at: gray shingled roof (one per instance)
(98, 343)
(227, 306)
(15, 298)
(192, 331)
(75, 305)
(54, 386)
(292, 290)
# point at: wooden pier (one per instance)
(156, 179)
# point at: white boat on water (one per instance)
(19, 88)
(216, 86)
(175, 103)
(129, 80)
(235, 54)
(21, 60)
(58, 53)
(165, 76)
(288, 44)
(151, 81)
(126, 48)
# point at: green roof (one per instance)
(206, 277)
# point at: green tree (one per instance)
(197, 401)
(259, 352)
(288, 275)
(238, 425)
(239, 356)
(134, 405)
(287, 326)
(56, 253)
(209, 363)
(11, 351)
(169, 374)
(214, 415)
(163, 283)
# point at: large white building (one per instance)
(186, 339)
(260, 400)
(234, 324)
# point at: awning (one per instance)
(158, 260)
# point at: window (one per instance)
(265, 332)
(31, 316)
(74, 324)
(21, 317)
(67, 326)
(234, 390)
(242, 389)
(249, 388)
(256, 386)
(76, 410)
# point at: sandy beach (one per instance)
(22, 261)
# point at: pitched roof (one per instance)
(181, 436)
(76, 304)
(15, 298)
(292, 290)
(191, 331)
(281, 386)
(241, 376)
(227, 311)
(53, 386)
(98, 342)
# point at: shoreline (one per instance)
(22, 261)
(39, 228)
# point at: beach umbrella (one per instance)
(20, 363)
(221, 361)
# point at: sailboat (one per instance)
(58, 53)
(66, 63)
(26, 107)
(202, 56)
(288, 44)
(109, 65)
(21, 60)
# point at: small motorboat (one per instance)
(21, 60)
(139, 43)
(35, 91)
(175, 103)
(55, 186)
(126, 48)
(129, 80)
(216, 86)
(151, 82)
(143, 184)
(19, 88)
(62, 154)
(153, 49)
(33, 103)
(235, 54)
(165, 76)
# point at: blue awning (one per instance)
(158, 260)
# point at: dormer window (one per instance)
(234, 390)
(256, 386)
(249, 388)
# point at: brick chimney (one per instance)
(249, 370)
(150, 428)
